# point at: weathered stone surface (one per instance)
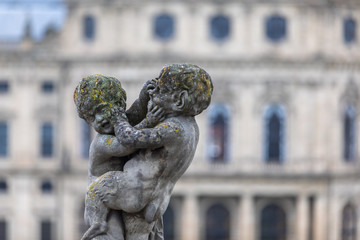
(138, 155)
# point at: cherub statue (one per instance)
(157, 156)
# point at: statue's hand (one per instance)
(118, 115)
(154, 115)
(144, 93)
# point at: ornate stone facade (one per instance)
(287, 74)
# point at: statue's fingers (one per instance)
(159, 112)
(154, 109)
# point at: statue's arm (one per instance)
(163, 134)
(137, 112)
(109, 146)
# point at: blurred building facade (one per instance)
(278, 154)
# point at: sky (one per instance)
(41, 13)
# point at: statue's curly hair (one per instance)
(98, 90)
(195, 80)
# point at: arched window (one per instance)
(89, 27)
(273, 223)
(219, 127)
(275, 133)
(220, 27)
(85, 139)
(349, 133)
(164, 26)
(349, 29)
(169, 223)
(47, 229)
(275, 28)
(217, 223)
(349, 222)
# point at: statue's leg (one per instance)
(119, 191)
(95, 212)
(115, 225)
(136, 228)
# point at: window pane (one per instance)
(86, 139)
(3, 186)
(46, 187)
(4, 87)
(89, 28)
(46, 233)
(273, 223)
(164, 26)
(349, 223)
(274, 134)
(276, 28)
(47, 140)
(47, 87)
(3, 139)
(217, 223)
(219, 126)
(349, 134)
(220, 27)
(3, 230)
(349, 30)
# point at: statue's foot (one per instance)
(94, 231)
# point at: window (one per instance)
(349, 29)
(4, 86)
(3, 139)
(3, 230)
(47, 144)
(349, 134)
(46, 186)
(220, 27)
(89, 28)
(275, 134)
(85, 139)
(219, 127)
(46, 230)
(47, 87)
(349, 222)
(217, 223)
(169, 223)
(275, 28)
(3, 186)
(164, 26)
(272, 223)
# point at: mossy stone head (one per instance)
(195, 80)
(99, 93)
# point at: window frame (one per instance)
(216, 34)
(44, 136)
(158, 30)
(280, 110)
(89, 27)
(276, 28)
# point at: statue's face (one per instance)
(100, 119)
(102, 124)
(161, 98)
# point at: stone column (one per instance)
(247, 220)
(190, 220)
(302, 225)
(320, 218)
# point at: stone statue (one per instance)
(132, 173)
